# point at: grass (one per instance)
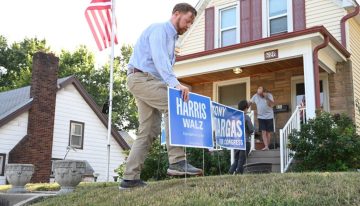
(55, 187)
(270, 189)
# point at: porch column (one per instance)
(309, 84)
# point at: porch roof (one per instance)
(313, 30)
(248, 71)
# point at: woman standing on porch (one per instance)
(264, 102)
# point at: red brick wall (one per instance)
(36, 147)
(205, 89)
(341, 95)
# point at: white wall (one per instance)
(11, 134)
(326, 13)
(71, 106)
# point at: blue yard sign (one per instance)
(229, 126)
(190, 122)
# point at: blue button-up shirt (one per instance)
(154, 52)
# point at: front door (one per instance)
(298, 92)
(231, 92)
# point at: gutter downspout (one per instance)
(343, 21)
(316, 69)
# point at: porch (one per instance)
(284, 79)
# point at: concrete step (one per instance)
(269, 153)
(264, 160)
(274, 167)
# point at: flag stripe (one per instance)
(99, 17)
(102, 36)
(109, 18)
(93, 30)
(106, 26)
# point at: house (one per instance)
(298, 49)
(38, 123)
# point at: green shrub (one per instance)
(326, 143)
(156, 163)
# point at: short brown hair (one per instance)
(184, 8)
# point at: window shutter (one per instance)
(250, 20)
(299, 14)
(209, 28)
(256, 23)
(245, 20)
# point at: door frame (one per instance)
(300, 79)
(218, 84)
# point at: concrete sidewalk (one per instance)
(21, 199)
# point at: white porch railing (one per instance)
(252, 138)
(294, 123)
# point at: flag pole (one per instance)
(111, 85)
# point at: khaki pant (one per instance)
(151, 99)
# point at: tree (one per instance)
(124, 108)
(17, 61)
(16, 64)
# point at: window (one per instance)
(278, 16)
(228, 26)
(2, 164)
(76, 138)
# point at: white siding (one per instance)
(325, 12)
(71, 106)
(195, 42)
(354, 44)
(11, 134)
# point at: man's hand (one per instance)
(184, 92)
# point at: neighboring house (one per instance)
(39, 122)
(298, 49)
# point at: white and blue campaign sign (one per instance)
(190, 123)
(229, 126)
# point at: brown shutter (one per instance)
(245, 20)
(250, 20)
(256, 14)
(299, 15)
(209, 28)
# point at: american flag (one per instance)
(99, 17)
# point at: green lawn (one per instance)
(267, 189)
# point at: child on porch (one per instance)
(240, 155)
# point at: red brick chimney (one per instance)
(36, 147)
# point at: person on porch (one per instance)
(241, 155)
(264, 103)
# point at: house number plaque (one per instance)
(272, 54)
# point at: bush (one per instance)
(326, 143)
(156, 163)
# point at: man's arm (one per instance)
(251, 100)
(269, 100)
(160, 56)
